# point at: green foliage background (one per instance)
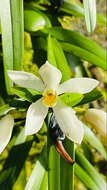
(34, 56)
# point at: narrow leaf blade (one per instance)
(84, 54)
(17, 32)
(6, 28)
(94, 141)
(90, 14)
(91, 96)
(85, 178)
(91, 171)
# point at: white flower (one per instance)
(6, 127)
(97, 118)
(51, 88)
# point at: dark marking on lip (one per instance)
(57, 137)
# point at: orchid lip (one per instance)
(49, 98)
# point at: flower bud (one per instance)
(97, 118)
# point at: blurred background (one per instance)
(29, 65)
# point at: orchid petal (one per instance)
(35, 117)
(50, 75)
(26, 80)
(68, 122)
(78, 85)
(6, 127)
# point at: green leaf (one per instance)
(71, 99)
(17, 33)
(19, 104)
(66, 169)
(21, 137)
(44, 185)
(53, 162)
(13, 35)
(13, 165)
(85, 55)
(91, 96)
(85, 178)
(54, 169)
(87, 151)
(38, 177)
(74, 38)
(6, 28)
(57, 58)
(61, 61)
(5, 109)
(50, 52)
(91, 171)
(34, 21)
(94, 141)
(76, 66)
(90, 14)
(27, 94)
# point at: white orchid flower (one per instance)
(97, 118)
(6, 127)
(51, 88)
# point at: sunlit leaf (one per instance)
(34, 20)
(61, 60)
(74, 38)
(44, 185)
(50, 52)
(36, 177)
(71, 99)
(21, 137)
